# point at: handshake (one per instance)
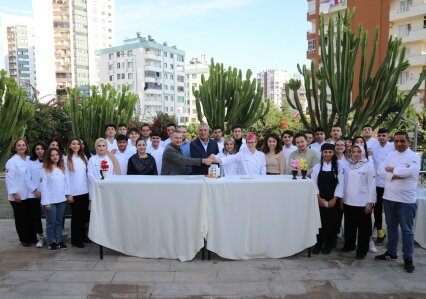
(210, 160)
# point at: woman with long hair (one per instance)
(228, 150)
(141, 163)
(76, 170)
(275, 160)
(17, 192)
(328, 178)
(55, 191)
(35, 165)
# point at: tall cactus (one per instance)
(15, 110)
(227, 99)
(329, 88)
(90, 115)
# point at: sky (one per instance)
(255, 34)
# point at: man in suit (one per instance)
(202, 147)
(173, 161)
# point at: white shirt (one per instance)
(407, 166)
(54, 186)
(360, 185)
(158, 157)
(165, 143)
(33, 176)
(230, 168)
(79, 183)
(16, 171)
(316, 147)
(123, 158)
(380, 153)
(111, 146)
(338, 192)
(249, 163)
(343, 163)
(94, 169)
(288, 151)
(220, 145)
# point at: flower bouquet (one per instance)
(295, 166)
(104, 169)
(303, 168)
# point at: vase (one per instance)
(304, 173)
(294, 172)
(104, 174)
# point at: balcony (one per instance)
(155, 68)
(419, 59)
(152, 56)
(417, 9)
(156, 103)
(417, 34)
(407, 84)
(310, 35)
(311, 54)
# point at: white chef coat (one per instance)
(158, 157)
(407, 166)
(54, 186)
(94, 169)
(79, 183)
(288, 151)
(316, 147)
(123, 158)
(16, 171)
(343, 163)
(380, 153)
(249, 163)
(360, 185)
(33, 176)
(229, 169)
(338, 192)
(111, 146)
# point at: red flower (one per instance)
(284, 125)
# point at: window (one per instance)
(172, 87)
(130, 65)
(118, 65)
(111, 56)
(194, 76)
(172, 77)
(110, 67)
(166, 87)
(171, 66)
(404, 30)
(130, 76)
(171, 109)
(111, 78)
(165, 65)
(166, 109)
(403, 78)
(311, 46)
(129, 53)
(166, 98)
(180, 89)
(123, 76)
(171, 55)
(165, 54)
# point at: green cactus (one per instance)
(226, 99)
(90, 115)
(15, 110)
(377, 96)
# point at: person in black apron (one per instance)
(327, 176)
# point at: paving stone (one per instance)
(247, 275)
(83, 256)
(196, 276)
(128, 277)
(62, 265)
(82, 276)
(5, 265)
(37, 289)
(28, 276)
(134, 266)
(320, 274)
(286, 287)
(181, 289)
(241, 288)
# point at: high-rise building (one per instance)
(68, 32)
(153, 71)
(193, 72)
(20, 58)
(273, 82)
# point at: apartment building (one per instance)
(67, 34)
(193, 72)
(273, 82)
(153, 71)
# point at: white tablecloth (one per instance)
(261, 216)
(420, 220)
(149, 216)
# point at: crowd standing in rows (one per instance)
(353, 178)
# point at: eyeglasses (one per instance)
(248, 142)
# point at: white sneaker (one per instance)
(372, 247)
(374, 235)
(40, 243)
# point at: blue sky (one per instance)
(256, 34)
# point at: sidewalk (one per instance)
(78, 273)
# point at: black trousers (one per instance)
(36, 214)
(378, 208)
(79, 210)
(356, 221)
(23, 221)
(329, 218)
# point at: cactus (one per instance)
(90, 115)
(15, 110)
(377, 95)
(227, 99)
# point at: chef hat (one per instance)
(327, 147)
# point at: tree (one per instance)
(161, 122)
(49, 121)
(226, 99)
(89, 115)
(15, 111)
(377, 93)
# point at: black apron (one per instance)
(327, 182)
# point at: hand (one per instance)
(341, 204)
(70, 199)
(395, 177)
(368, 208)
(321, 202)
(47, 207)
(113, 151)
(17, 197)
(332, 202)
(389, 169)
(207, 161)
(37, 194)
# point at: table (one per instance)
(149, 216)
(420, 219)
(261, 216)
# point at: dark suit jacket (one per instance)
(174, 162)
(197, 150)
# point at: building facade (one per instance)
(153, 71)
(72, 30)
(273, 83)
(193, 72)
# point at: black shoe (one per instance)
(347, 249)
(386, 257)
(317, 249)
(87, 240)
(25, 244)
(78, 245)
(53, 247)
(61, 245)
(360, 256)
(409, 266)
(334, 243)
(326, 249)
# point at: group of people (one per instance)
(353, 178)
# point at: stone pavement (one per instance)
(78, 273)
